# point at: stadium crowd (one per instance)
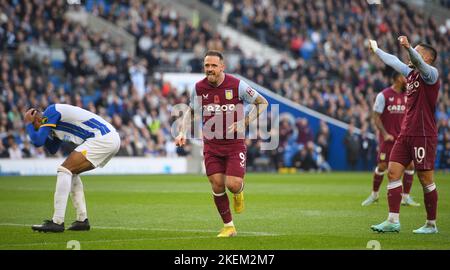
(333, 74)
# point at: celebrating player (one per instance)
(220, 97)
(97, 142)
(389, 110)
(418, 136)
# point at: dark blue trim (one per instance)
(39, 136)
(94, 123)
(75, 130)
(101, 125)
(53, 116)
(53, 145)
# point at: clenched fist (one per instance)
(373, 46)
(404, 41)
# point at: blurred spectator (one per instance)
(184, 151)
(4, 153)
(285, 132)
(306, 158)
(252, 153)
(305, 133)
(445, 157)
(14, 151)
(368, 149)
(137, 76)
(323, 139)
(323, 143)
(445, 3)
(26, 150)
(352, 144)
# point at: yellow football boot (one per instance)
(227, 231)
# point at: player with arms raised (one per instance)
(219, 97)
(97, 142)
(388, 112)
(418, 136)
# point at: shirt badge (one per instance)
(228, 94)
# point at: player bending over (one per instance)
(418, 136)
(97, 142)
(220, 96)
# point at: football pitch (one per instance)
(176, 212)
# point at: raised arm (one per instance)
(428, 73)
(38, 137)
(37, 134)
(389, 59)
(39, 125)
(394, 62)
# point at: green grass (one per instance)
(305, 211)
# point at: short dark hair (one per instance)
(430, 49)
(395, 75)
(214, 53)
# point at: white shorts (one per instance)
(99, 150)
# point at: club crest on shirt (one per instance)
(44, 120)
(412, 87)
(228, 94)
(382, 156)
(250, 91)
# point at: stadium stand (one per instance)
(333, 74)
(327, 38)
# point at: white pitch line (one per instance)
(111, 240)
(154, 229)
(124, 240)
